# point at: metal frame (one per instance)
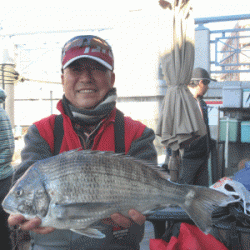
(234, 50)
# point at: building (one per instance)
(236, 53)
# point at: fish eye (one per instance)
(19, 192)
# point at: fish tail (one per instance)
(200, 202)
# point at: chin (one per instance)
(86, 106)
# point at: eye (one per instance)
(19, 192)
(99, 67)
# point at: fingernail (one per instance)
(132, 213)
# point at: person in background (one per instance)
(242, 164)
(7, 147)
(165, 165)
(194, 163)
(88, 109)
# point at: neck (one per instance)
(93, 116)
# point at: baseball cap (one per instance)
(88, 46)
(201, 74)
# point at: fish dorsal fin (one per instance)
(153, 166)
(123, 156)
(119, 155)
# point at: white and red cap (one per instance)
(89, 46)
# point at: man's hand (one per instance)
(116, 219)
(120, 220)
(27, 225)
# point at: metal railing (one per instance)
(231, 47)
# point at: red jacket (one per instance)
(104, 140)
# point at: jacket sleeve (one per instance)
(7, 145)
(143, 148)
(35, 149)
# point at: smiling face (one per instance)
(86, 82)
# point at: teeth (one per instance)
(87, 91)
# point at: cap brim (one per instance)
(210, 79)
(97, 59)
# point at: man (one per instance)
(89, 116)
(7, 146)
(194, 167)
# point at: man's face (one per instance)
(86, 82)
(202, 89)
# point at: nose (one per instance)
(85, 76)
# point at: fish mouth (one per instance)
(9, 209)
(9, 206)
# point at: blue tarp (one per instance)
(243, 176)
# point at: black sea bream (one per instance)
(75, 189)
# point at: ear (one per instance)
(112, 79)
(62, 79)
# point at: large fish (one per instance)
(75, 189)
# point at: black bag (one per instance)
(231, 226)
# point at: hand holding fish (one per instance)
(120, 220)
(34, 224)
(27, 225)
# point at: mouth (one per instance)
(86, 91)
(8, 208)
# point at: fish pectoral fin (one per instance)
(90, 232)
(153, 210)
(80, 210)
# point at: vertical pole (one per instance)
(9, 89)
(219, 171)
(227, 143)
(202, 48)
(3, 86)
(223, 35)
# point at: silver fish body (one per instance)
(75, 189)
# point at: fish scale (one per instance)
(138, 176)
(76, 189)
